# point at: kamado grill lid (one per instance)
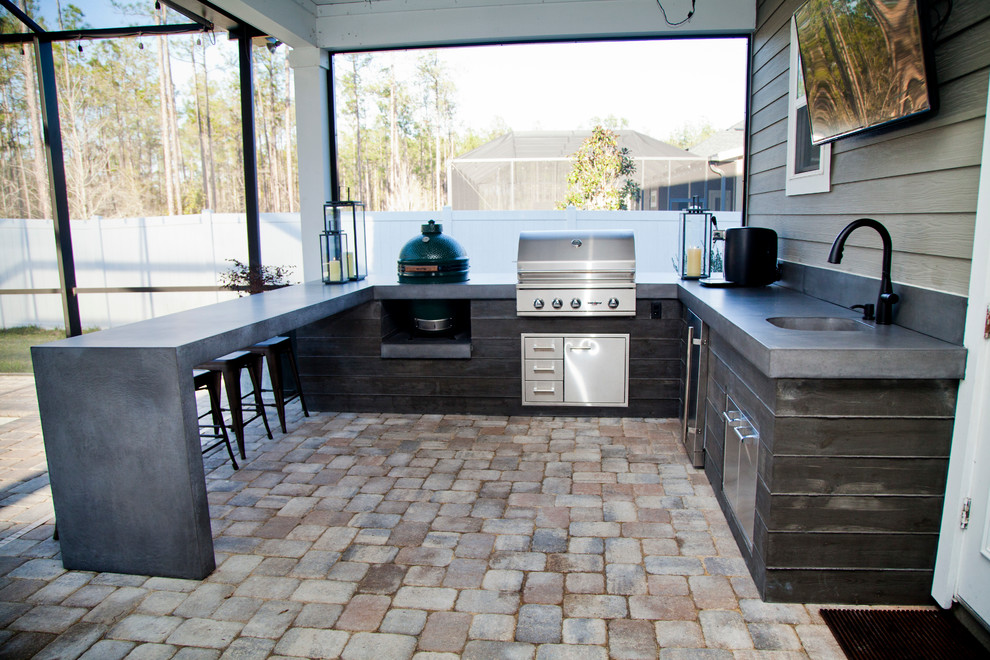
(432, 257)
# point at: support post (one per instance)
(57, 186)
(332, 127)
(310, 68)
(250, 155)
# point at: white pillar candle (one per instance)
(333, 267)
(351, 266)
(693, 268)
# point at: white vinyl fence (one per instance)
(192, 251)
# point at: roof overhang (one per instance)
(349, 25)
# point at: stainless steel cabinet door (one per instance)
(739, 473)
(595, 369)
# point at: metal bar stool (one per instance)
(230, 367)
(210, 381)
(274, 350)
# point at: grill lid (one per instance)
(432, 257)
(576, 255)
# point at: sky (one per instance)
(657, 85)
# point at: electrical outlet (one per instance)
(656, 309)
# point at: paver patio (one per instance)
(388, 536)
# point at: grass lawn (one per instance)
(16, 343)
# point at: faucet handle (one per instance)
(868, 311)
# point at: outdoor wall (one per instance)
(192, 250)
(920, 181)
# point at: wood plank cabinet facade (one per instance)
(850, 481)
(342, 368)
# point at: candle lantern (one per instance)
(694, 243)
(347, 217)
(333, 255)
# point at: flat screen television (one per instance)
(867, 64)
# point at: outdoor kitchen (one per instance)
(744, 431)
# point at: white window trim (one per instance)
(804, 183)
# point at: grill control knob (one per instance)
(575, 303)
(557, 303)
(538, 303)
(613, 303)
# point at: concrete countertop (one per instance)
(738, 314)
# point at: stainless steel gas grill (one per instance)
(576, 273)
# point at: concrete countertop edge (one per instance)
(893, 352)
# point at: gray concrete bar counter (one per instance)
(118, 413)
(120, 423)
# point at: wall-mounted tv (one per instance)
(866, 64)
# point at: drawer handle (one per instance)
(537, 347)
(549, 369)
(733, 417)
(537, 390)
(744, 437)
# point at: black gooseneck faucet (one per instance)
(887, 297)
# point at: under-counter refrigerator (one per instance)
(695, 389)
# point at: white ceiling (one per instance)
(373, 24)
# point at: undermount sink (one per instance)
(818, 323)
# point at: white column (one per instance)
(310, 66)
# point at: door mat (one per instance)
(866, 634)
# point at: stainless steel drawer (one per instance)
(543, 391)
(575, 369)
(543, 348)
(544, 370)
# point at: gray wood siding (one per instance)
(920, 181)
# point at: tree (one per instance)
(610, 121)
(352, 88)
(690, 134)
(438, 106)
(596, 179)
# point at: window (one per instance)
(808, 166)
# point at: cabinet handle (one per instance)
(731, 417)
(687, 383)
(537, 390)
(743, 437)
(539, 369)
(551, 347)
(579, 348)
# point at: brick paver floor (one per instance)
(387, 537)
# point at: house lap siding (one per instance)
(920, 181)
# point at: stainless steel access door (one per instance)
(595, 370)
(742, 447)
